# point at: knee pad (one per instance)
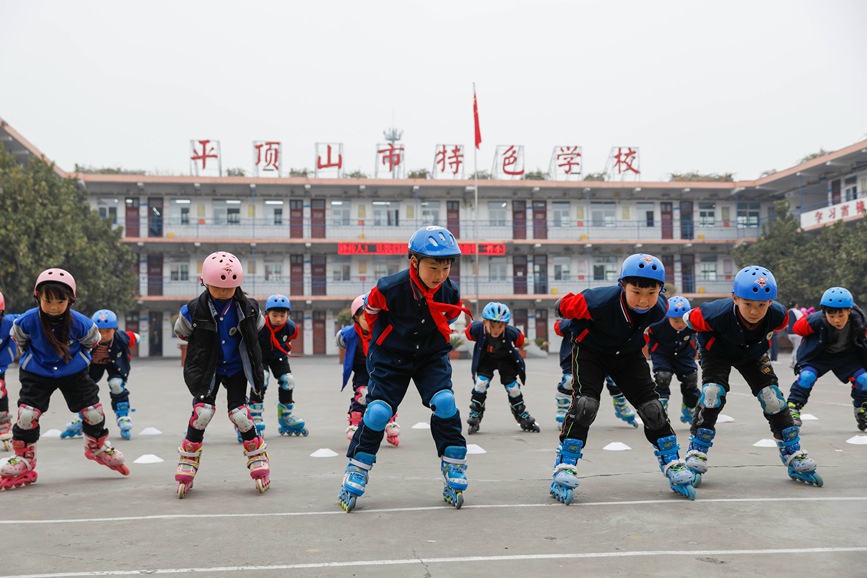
(93, 414)
(2, 388)
(28, 417)
(443, 404)
(712, 395)
(859, 380)
(663, 378)
(652, 413)
(116, 385)
(377, 415)
(565, 384)
(584, 410)
(513, 389)
(242, 419)
(202, 414)
(482, 384)
(807, 377)
(690, 381)
(772, 399)
(287, 382)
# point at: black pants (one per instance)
(96, 372)
(277, 368)
(236, 390)
(488, 365)
(629, 371)
(759, 374)
(78, 390)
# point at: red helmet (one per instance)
(58, 276)
(222, 269)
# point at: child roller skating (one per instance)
(221, 327)
(409, 315)
(734, 333)
(275, 341)
(55, 341)
(607, 326)
(622, 410)
(672, 350)
(496, 349)
(833, 340)
(8, 353)
(355, 340)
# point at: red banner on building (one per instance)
(489, 249)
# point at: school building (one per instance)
(324, 241)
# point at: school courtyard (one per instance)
(749, 518)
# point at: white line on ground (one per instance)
(461, 560)
(338, 512)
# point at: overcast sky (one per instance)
(739, 86)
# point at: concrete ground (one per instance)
(82, 519)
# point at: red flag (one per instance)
(476, 118)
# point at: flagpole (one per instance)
(476, 193)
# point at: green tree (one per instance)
(46, 221)
(235, 172)
(419, 174)
(536, 175)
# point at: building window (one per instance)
(605, 269)
(497, 213)
(233, 215)
(561, 268)
(179, 271)
(109, 214)
(340, 267)
(707, 268)
(278, 216)
(602, 214)
(748, 215)
(385, 266)
(706, 214)
(340, 213)
(560, 213)
(645, 214)
(850, 189)
(385, 214)
(273, 270)
(497, 268)
(430, 213)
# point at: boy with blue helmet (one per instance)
(833, 340)
(8, 352)
(409, 315)
(672, 351)
(496, 349)
(275, 341)
(736, 333)
(607, 328)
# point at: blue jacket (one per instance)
(349, 339)
(664, 340)
(119, 355)
(476, 332)
(561, 328)
(40, 358)
(601, 320)
(815, 332)
(721, 332)
(8, 350)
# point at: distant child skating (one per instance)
(55, 342)
(736, 333)
(355, 339)
(409, 315)
(496, 349)
(221, 327)
(833, 340)
(8, 352)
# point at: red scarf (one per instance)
(274, 341)
(441, 312)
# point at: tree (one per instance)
(820, 153)
(695, 176)
(235, 172)
(357, 174)
(46, 221)
(594, 177)
(419, 174)
(536, 175)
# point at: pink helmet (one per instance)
(357, 304)
(2, 303)
(56, 275)
(222, 269)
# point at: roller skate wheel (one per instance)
(686, 490)
(262, 485)
(454, 498)
(6, 445)
(126, 434)
(697, 482)
(393, 441)
(182, 490)
(561, 494)
(348, 504)
(472, 429)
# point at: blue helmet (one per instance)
(643, 265)
(755, 283)
(105, 319)
(278, 302)
(677, 306)
(497, 312)
(436, 242)
(838, 298)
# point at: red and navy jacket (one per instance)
(663, 339)
(814, 330)
(275, 342)
(119, 355)
(475, 331)
(721, 332)
(401, 320)
(602, 321)
(561, 328)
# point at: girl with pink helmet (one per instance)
(56, 343)
(221, 327)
